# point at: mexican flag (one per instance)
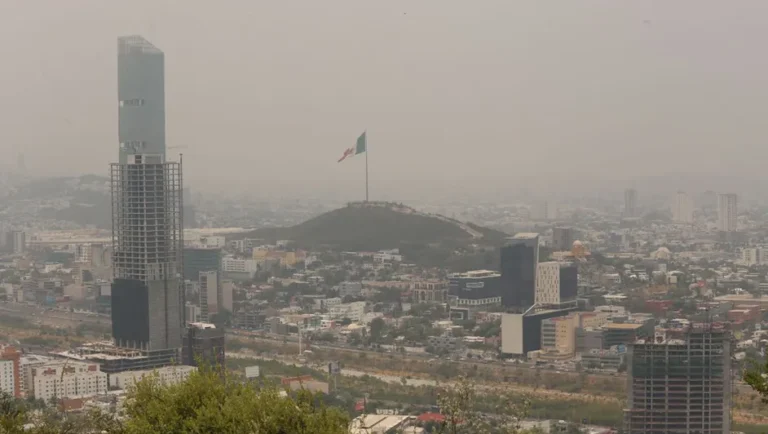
(359, 148)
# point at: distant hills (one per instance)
(84, 200)
(380, 225)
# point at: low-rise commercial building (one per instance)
(559, 334)
(429, 291)
(444, 343)
(602, 359)
(237, 265)
(354, 311)
(352, 289)
(166, 376)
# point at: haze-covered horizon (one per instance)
(457, 97)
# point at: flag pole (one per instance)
(366, 165)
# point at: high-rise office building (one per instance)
(681, 383)
(209, 294)
(727, 212)
(141, 97)
(682, 208)
(147, 235)
(4, 231)
(519, 262)
(563, 238)
(226, 295)
(569, 282)
(630, 202)
(18, 241)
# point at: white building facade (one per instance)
(354, 311)
(682, 208)
(753, 256)
(236, 265)
(7, 377)
(166, 376)
(547, 283)
(68, 380)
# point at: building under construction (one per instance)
(680, 382)
(147, 239)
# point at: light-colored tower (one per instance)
(727, 212)
(682, 208)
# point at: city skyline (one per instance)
(281, 103)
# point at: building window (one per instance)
(136, 102)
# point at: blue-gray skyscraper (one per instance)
(147, 235)
(141, 97)
(519, 266)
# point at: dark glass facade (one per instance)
(532, 328)
(141, 97)
(475, 288)
(519, 260)
(200, 259)
(203, 345)
(130, 313)
(569, 282)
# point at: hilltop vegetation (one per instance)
(376, 226)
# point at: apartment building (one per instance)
(67, 380)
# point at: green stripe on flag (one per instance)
(362, 145)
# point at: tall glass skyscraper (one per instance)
(147, 234)
(141, 97)
(519, 267)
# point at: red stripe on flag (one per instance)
(348, 152)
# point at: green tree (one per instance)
(757, 378)
(326, 337)
(354, 339)
(12, 415)
(207, 404)
(377, 329)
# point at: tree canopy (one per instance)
(205, 403)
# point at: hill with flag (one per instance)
(380, 225)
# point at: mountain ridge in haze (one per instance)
(377, 226)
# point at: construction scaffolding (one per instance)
(680, 385)
(147, 240)
(147, 219)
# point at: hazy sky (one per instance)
(456, 95)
